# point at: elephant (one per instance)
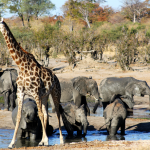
(30, 124)
(76, 89)
(74, 119)
(8, 87)
(115, 113)
(124, 86)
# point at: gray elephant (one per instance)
(30, 124)
(8, 87)
(124, 86)
(115, 114)
(74, 119)
(76, 89)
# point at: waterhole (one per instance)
(7, 134)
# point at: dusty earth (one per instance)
(98, 71)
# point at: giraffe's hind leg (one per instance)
(44, 140)
(56, 99)
(45, 110)
(20, 96)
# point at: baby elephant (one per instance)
(115, 114)
(74, 119)
(30, 124)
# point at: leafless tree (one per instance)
(133, 9)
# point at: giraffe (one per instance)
(35, 80)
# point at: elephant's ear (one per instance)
(70, 113)
(70, 118)
(7, 81)
(134, 89)
(80, 85)
(82, 106)
(128, 100)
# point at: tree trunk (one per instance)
(101, 55)
(21, 16)
(87, 21)
(71, 25)
(134, 18)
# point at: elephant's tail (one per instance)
(105, 124)
(65, 120)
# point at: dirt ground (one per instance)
(98, 71)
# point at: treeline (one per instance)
(101, 30)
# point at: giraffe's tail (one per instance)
(66, 122)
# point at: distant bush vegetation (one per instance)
(52, 39)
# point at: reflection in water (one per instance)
(115, 137)
(75, 139)
(26, 143)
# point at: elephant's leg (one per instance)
(108, 124)
(123, 128)
(108, 129)
(113, 130)
(32, 136)
(12, 97)
(83, 101)
(70, 132)
(6, 98)
(79, 132)
(114, 126)
(77, 98)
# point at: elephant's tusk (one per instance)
(97, 99)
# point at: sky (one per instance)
(115, 4)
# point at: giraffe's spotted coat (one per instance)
(34, 80)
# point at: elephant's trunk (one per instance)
(84, 129)
(85, 125)
(149, 101)
(95, 107)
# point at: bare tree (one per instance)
(80, 9)
(133, 9)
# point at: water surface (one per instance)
(7, 134)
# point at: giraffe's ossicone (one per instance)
(34, 80)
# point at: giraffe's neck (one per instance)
(19, 55)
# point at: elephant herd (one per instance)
(115, 94)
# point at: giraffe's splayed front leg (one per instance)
(11, 145)
(44, 142)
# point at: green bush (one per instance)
(1, 99)
(113, 34)
(140, 27)
(148, 33)
(133, 31)
(22, 34)
(97, 24)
